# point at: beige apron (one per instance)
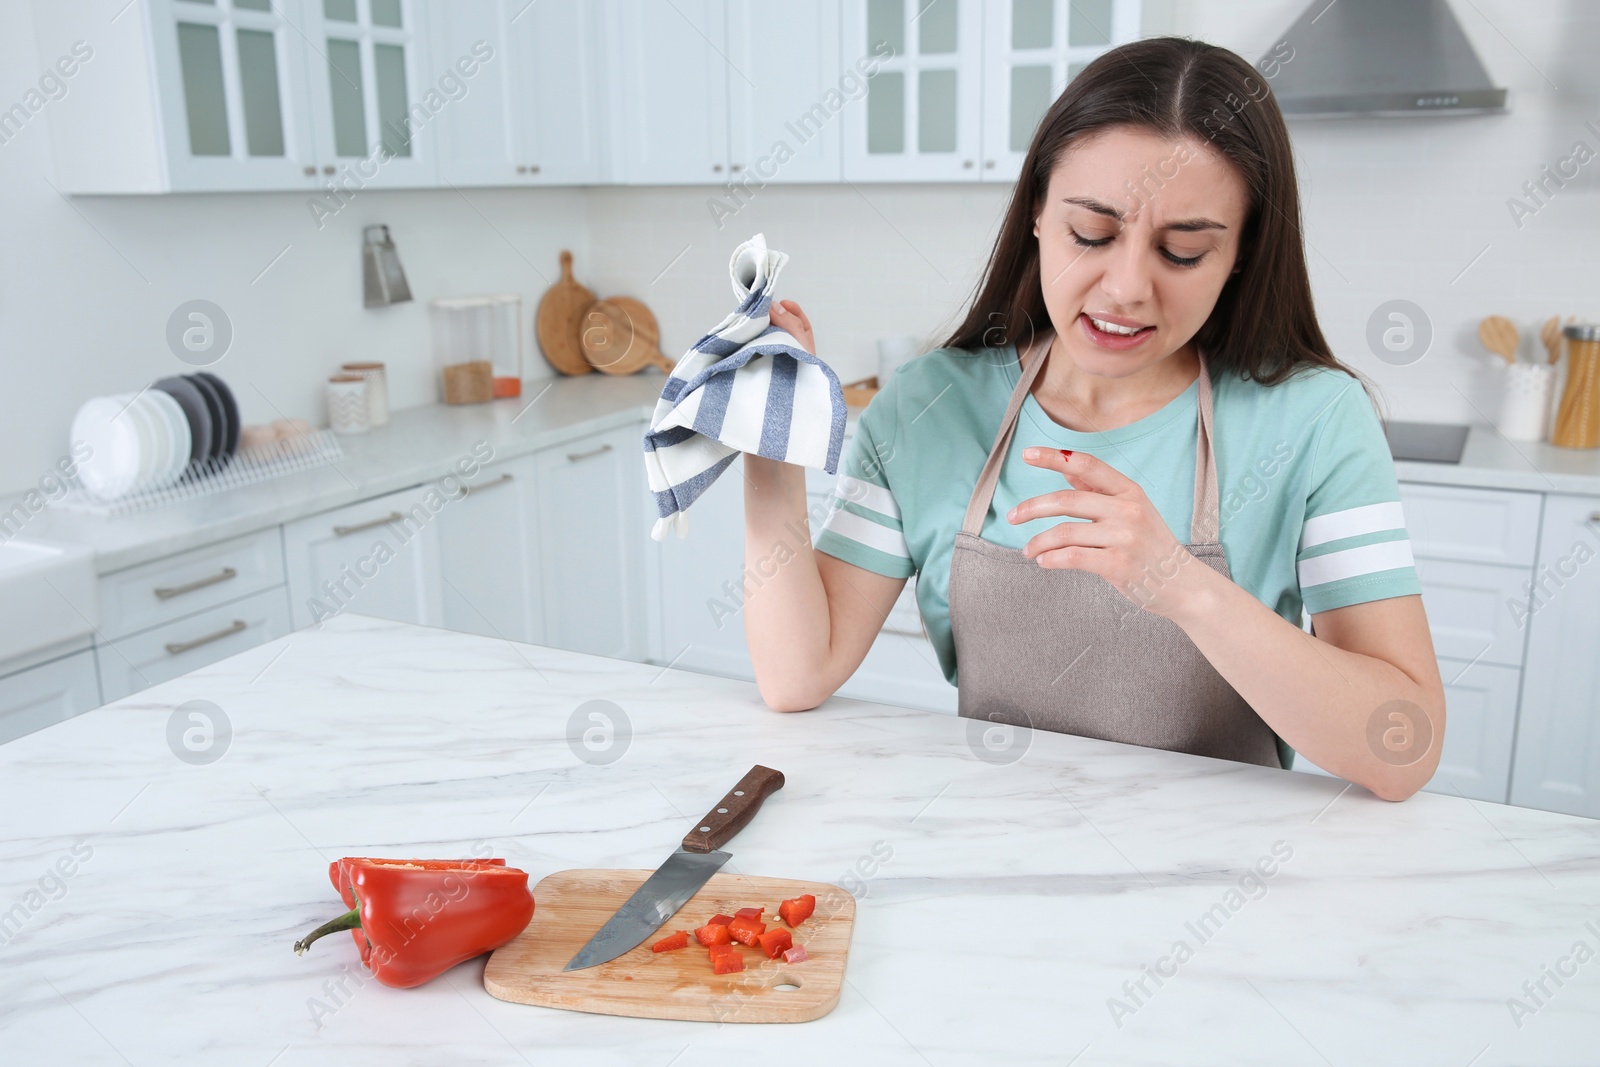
(1063, 650)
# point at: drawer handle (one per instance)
(178, 648)
(346, 531)
(573, 457)
(468, 490)
(1594, 516)
(167, 592)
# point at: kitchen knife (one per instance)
(685, 871)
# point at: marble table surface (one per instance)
(1036, 898)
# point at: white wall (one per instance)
(1394, 209)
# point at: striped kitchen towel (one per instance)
(747, 386)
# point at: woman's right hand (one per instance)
(787, 315)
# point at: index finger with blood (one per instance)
(1081, 469)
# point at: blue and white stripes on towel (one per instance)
(747, 386)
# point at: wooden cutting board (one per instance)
(559, 318)
(620, 336)
(569, 906)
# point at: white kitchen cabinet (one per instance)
(531, 112)
(1470, 610)
(178, 95)
(378, 557)
(140, 660)
(372, 98)
(966, 82)
(1557, 764)
(1032, 48)
(669, 121)
(591, 523)
(165, 590)
(1471, 525)
(489, 557)
(48, 693)
(785, 102)
(701, 577)
(920, 118)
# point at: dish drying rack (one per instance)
(248, 466)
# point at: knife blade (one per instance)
(688, 868)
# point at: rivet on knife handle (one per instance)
(734, 810)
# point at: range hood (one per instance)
(1381, 58)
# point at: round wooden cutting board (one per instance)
(620, 336)
(571, 905)
(559, 318)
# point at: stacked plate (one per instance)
(181, 426)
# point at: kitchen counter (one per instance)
(419, 444)
(1007, 911)
(1491, 461)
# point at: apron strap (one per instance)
(1205, 521)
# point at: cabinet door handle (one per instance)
(346, 531)
(177, 648)
(167, 592)
(574, 457)
(468, 490)
(1594, 516)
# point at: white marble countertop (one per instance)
(418, 444)
(1002, 905)
(1492, 461)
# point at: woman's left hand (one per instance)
(1125, 541)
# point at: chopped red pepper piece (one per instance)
(412, 920)
(667, 944)
(728, 962)
(796, 954)
(749, 913)
(746, 931)
(775, 942)
(719, 919)
(798, 910)
(713, 934)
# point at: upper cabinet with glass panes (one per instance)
(369, 119)
(960, 85)
(334, 96)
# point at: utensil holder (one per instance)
(377, 389)
(347, 404)
(1578, 422)
(1525, 401)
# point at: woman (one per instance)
(1193, 465)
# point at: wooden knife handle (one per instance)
(734, 810)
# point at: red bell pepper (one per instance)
(719, 919)
(796, 954)
(749, 913)
(667, 944)
(725, 959)
(798, 910)
(412, 920)
(775, 942)
(713, 934)
(746, 931)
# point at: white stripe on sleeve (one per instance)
(1354, 562)
(869, 495)
(1351, 522)
(853, 527)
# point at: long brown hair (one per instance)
(1264, 324)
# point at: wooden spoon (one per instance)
(1499, 335)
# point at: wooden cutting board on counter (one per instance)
(569, 906)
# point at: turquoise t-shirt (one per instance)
(1309, 501)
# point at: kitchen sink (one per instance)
(1429, 442)
(47, 595)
